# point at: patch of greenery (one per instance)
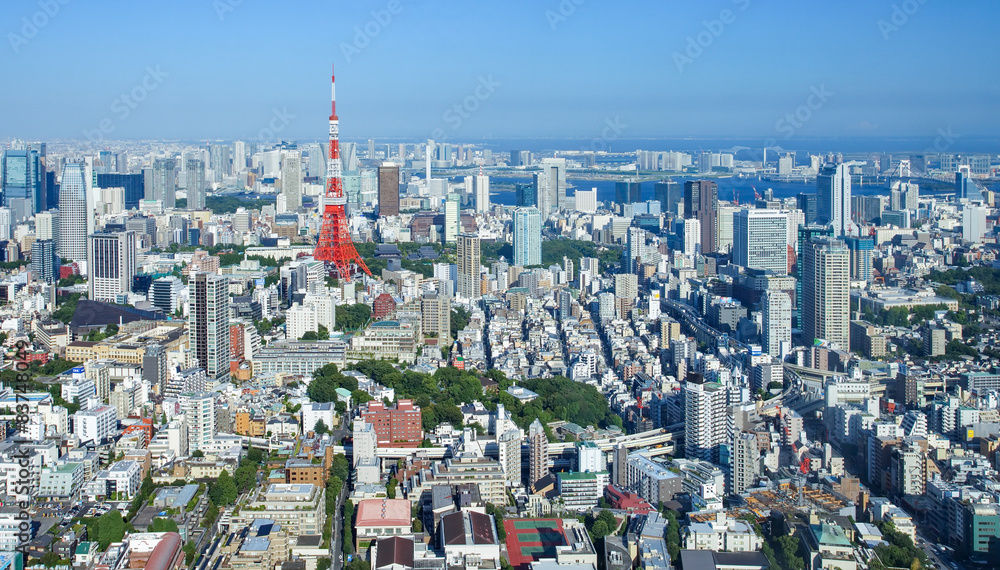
(353, 317)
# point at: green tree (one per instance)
(459, 320)
(223, 490)
(110, 528)
(352, 317)
(189, 552)
(320, 427)
(323, 334)
(198, 454)
(339, 467)
(390, 488)
(309, 336)
(163, 525)
(245, 476)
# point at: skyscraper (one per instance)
(805, 233)
(199, 415)
(669, 194)
(195, 183)
(76, 218)
(635, 239)
(538, 453)
(208, 324)
(452, 217)
(291, 179)
(973, 223)
(586, 201)
(526, 195)
(435, 316)
(833, 198)
(807, 203)
(704, 420)
(469, 261)
(760, 239)
(628, 192)
(861, 249)
(23, 182)
(701, 201)
(527, 236)
(481, 185)
(164, 182)
(111, 263)
(777, 322)
(44, 260)
(555, 176)
(132, 183)
(825, 291)
(746, 463)
(388, 190)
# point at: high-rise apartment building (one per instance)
(164, 293)
(527, 237)
(468, 261)
(777, 322)
(704, 420)
(538, 453)
(133, 184)
(435, 317)
(163, 180)
(452, 217)
(45, 260)
(388, 190)
(833, 198)
(760, 240)
(746, 463)
(111, 262)
(199, 415)
(825, 292)
(481, 190)
(291, 179)
(208, 324)
(76, 217)
(194, 177)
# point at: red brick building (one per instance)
(384, 306)
(236, 339)
(398, 426)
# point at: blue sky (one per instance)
(226, 69)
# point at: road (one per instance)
(336, 542)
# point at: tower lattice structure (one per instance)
(335, 245)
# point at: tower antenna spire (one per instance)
(335, 245)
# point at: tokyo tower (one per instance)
(335, 246)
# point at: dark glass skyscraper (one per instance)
(23, 181)
(132, 183)
(628, 192)
(526, 195)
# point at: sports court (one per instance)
(529, 540)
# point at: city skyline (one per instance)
(735, 68)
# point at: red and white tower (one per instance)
(335, 246)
